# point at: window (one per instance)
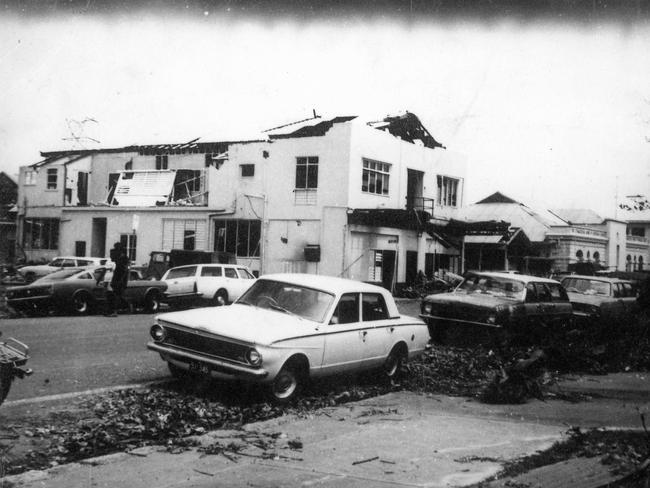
(307, 173)
(129, 242)
(373, 307)
(447, 191)
(247, 170)
(634, 231)
(244, 274)
(184, 272)
(162, 161)
(211, 271)
(183, 234)
(189, 240)
(30, 177)
(240, 237)
(375, 177)
(557, 292)
(231, 273)
(347, 311)
(41, 233)
(52, 177)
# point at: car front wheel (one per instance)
(287, 384)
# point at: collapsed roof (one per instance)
(406, 126)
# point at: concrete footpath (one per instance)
(400, 439)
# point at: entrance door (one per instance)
(388, 269)
(98, 243)
(411, 266)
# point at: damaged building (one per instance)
(503, 234)
(339, 196)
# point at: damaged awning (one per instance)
(143, 188)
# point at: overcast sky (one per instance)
(549, 112)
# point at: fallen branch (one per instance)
(365, 460)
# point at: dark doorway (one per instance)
(388, 269)
(98, 243)
(411, 266)
(82, 189)
(414, 189)
(80, 248)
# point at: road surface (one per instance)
(73, 354)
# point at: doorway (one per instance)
(98, 243)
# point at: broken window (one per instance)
(447, 191)
(375, 177)
(188, 187)
(52, 177)
(162, 161)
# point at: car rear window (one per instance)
(373, 307)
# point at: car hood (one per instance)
(588, 299)
(473, 300)
(245, 323)
(38, 268)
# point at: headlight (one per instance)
(427, 308)
(157, 333)
(254, 357)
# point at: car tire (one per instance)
(287, 384)
(152, 302)
(81, 303)
(220, 298)
(392, 367)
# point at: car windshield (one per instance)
(587, 286)
(492, 285)
(304, 302)
(58, 275)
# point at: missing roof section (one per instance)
(407, 126)
(314, 127)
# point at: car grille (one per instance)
(202, 344)
(28, 292)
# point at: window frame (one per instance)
(162, 161)
(379, 173)
(247, 170)
(52, 179)
(130, 245)
(310, 165)
(447, 191)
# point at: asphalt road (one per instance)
(73, 354)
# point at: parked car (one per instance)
(81, 291)
(215, 284)
(595, 297)
(514, 302)
(32, 272)
(288, 328)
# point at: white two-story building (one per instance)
(337, 196)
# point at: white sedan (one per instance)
(288, 328)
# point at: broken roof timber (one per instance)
(407, 126)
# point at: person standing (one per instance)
(119, 279)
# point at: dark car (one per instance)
(596, 297)
(519, 304)
(81, 291)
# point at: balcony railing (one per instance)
(639, 239)
(577, 231)
(420, 203)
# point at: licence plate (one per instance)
(202, 368)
